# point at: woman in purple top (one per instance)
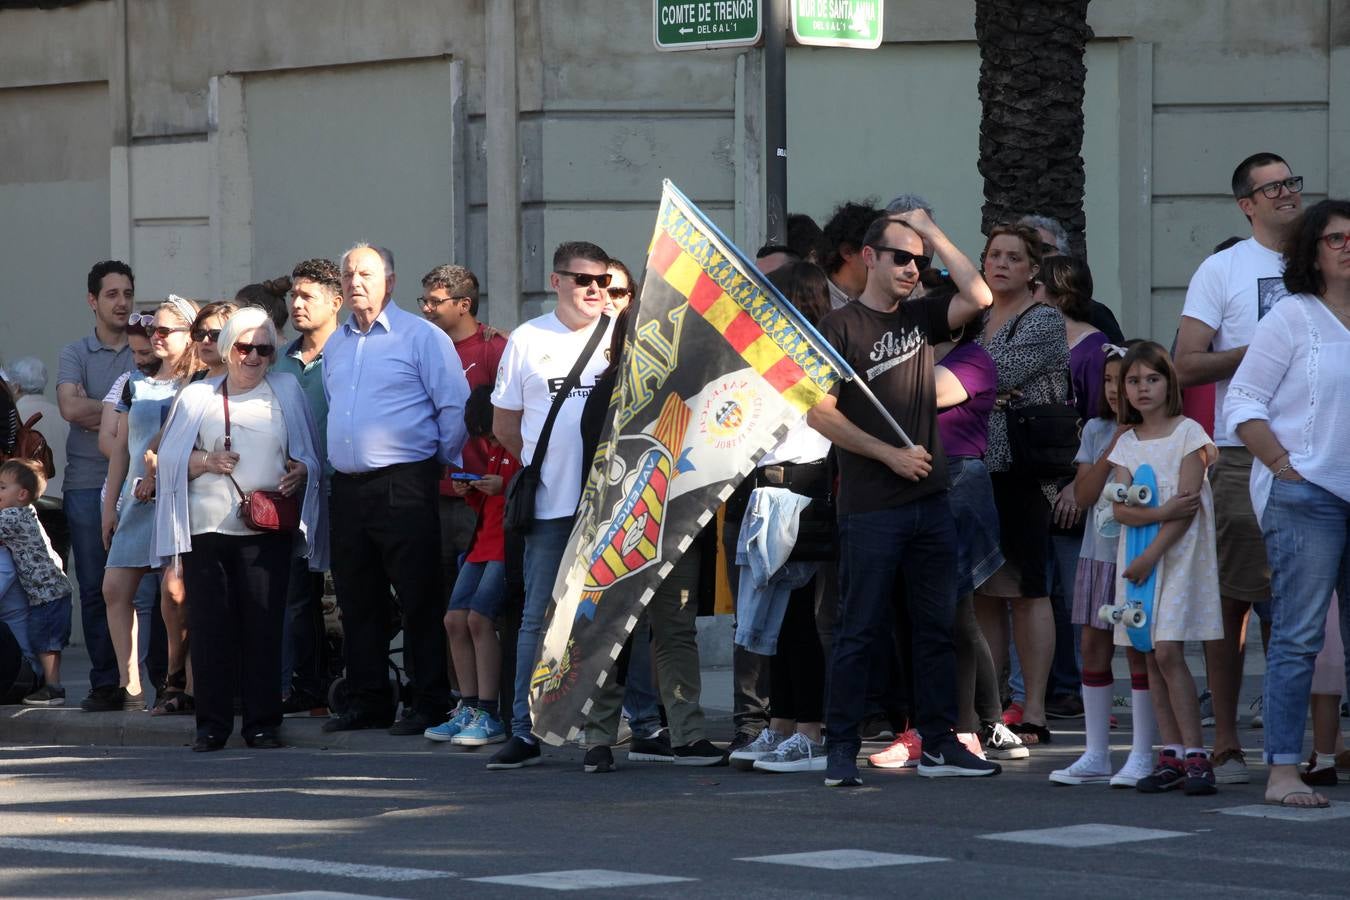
(1067, 284)
(967, 385)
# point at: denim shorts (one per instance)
(480, 587)
(978, 554)
(49, 626)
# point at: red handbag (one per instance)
(261, 510)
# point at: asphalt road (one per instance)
(424, 821)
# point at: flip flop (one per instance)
(1284, 801)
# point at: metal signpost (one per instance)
(714, 24)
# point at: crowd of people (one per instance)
(968, 528)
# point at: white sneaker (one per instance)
(1139, 765)
(1000, 742)
(1230, 767)
(796, 754)
(767, 742)
(1088, 769)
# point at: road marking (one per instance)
(1090, 835)
(233, 860)
(315, 895)
(581, 879)
(1337, 810)
(842, 859)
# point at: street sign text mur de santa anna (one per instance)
(838, 23)
(706, 24)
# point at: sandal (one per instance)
(173, 698)
(1284, 801)
(1039, 734)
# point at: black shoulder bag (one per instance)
(1043, 437)
(519, 513)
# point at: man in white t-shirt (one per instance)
(536, 362)
(1229, 293)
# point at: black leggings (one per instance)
(976, 682)
(797, 670)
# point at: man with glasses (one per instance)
(316, 299)
(894, 518)
(538, 358)
(1228, 295)
(450, 302)
(396, 397)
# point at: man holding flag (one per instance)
(894, 516)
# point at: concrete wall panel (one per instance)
(1195, 151)
(54, 133)
(54, 46)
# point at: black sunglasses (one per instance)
(1292, 184)
(904, 257)
(202, 335)
(584, 280)
(617, 292)
(164, 330)
(263, 350)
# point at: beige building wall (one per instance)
(215, 143)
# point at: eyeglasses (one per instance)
(142, 320)
(435, 302)
(265, 351)
(202, 335)
(1293, 184)
(617, 292)
(904, 257)
(1335, 240)
(586, 280)
(164, 330)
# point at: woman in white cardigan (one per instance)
(236, 577)
(1290, 404)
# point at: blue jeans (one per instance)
(1066, 668)
(85, 516)
(640, 702)
(919, 539)
(1307, 533)
(14, 613)
(544, 546)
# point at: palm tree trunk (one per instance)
(1031, 95)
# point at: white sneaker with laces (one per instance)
(796, 754)
(1001, 743)
(1139, 765)
(1087, 769)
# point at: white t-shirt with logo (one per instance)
(538, 356)
(1230, 292)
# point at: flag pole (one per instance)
(885, 414)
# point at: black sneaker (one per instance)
(877, 728)
(841, 766)
(947, 757)
(516, 753)
(1199, 776)
(351, 721)
(1065, 706)
(598, 759)
(48, 695)
(742, 740)
(699, 753)
(1169, 775)
(103, 699)
(414, 723)
(653, 748)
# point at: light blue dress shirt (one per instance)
(396, 394)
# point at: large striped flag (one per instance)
(716, 367)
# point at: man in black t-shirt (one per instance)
(893, 512)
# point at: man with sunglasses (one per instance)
(1230, 292)
(894, 517)
(538, 358)
(450, 302)
(316, 300)
(396, 398)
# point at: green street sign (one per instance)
(837, 23)
(706, 24)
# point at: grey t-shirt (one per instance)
(89, 363)
(1096, 438)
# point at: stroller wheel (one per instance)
(339, 697)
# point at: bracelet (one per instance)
(1282, 469)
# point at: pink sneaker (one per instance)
(1013, 714)
(903, 753)
(971, 741)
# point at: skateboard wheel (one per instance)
(1139, 495)
(1134, 618)
(1114, 493)
(1107, 614)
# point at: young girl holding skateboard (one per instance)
(1186, 597)
(1095, 587)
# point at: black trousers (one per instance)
(386, 532)
(797, 673)
(236, 600)
(305, 629)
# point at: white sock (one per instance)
(1175, 749)
(1325, 761)
(1097, 720)
(1145, 725)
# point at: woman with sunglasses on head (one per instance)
(1031, 354)
(1287, 403)
(228, 437)
(128, 502)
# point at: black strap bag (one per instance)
(1044, 437)
(519, 513)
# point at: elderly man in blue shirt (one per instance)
(396, 394)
